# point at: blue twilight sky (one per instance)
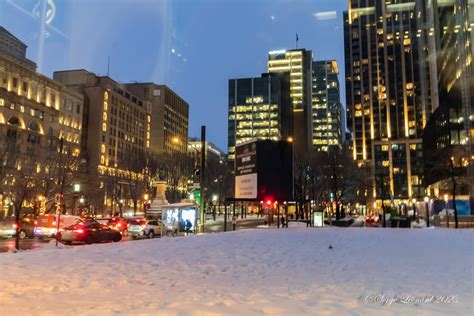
(193, 46)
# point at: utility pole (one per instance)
(203, 176)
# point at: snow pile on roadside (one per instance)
(253, 272)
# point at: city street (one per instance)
(211, 227)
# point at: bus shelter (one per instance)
(179, 219)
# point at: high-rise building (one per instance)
(297, 62)
(169, 119)
(259, 108)
(327, 107)
(116, 122)
(388, 92)
(449, 131)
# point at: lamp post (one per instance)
(447, 213)
(427, 199)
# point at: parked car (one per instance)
(153, 228)
(136, 227)
(119, 224)
(89, 231)
(8, 228)
(46, 225)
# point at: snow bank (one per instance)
(253, 272)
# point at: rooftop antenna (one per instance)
(108, 65)
(297, 40)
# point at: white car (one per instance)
(153, 228)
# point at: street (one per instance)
(210, 227)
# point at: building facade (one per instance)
(259, 108)
(117, 131)
(327, 108)
(38, 116)
(388, 92)
(449, 133)
(297, 63)
(170, 117)
(213, 154)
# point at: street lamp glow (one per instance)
(446, 198)
(82, 200)
(145, 197)
(427, 199)
(413, 201)
(175, 140)
(290, 139)
(214, 198)
(77, 187)
(40, 198)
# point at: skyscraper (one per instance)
(388, 91)
(297, 62)
(449, 131)
(259, 108)
(327, 108)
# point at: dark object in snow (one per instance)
(330, 247)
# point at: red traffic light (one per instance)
(268, 201)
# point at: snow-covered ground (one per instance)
(254, 272)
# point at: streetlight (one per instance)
(290, 139)
(77, 187)
(81, 200)
(446, 209)
(175, 140)
(427, 199)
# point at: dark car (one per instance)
(89, 231)
(8, 228)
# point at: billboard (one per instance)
(264, 169)
(246, 181)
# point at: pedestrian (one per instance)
(188, 226)
(282, 221)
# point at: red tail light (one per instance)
(78, 231)
(14, 225)
(119, 224)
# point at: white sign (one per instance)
(246, 186)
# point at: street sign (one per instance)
(246, 171)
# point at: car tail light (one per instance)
(14, 225)
(119, 224)
(78, 231)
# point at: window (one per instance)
(15, 82)
(35, 127)
(14, 121)
(78, 108)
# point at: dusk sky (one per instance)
(193, 46)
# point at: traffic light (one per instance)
(268, 201)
